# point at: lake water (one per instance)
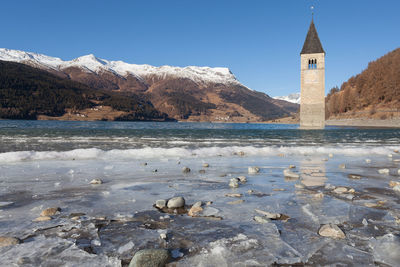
(51, 163)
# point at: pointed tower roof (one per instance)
(312, 43)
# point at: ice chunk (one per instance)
(385, 249)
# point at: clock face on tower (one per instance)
(310, 76)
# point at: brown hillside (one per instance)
(374, 93)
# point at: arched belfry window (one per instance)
(312, 64)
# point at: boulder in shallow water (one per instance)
(96, 181)
(50, 211)
(8, 241)
(185, 170)
(288, 173)
(176, 202)
(253, 170)
(332, 231)
(383, 171)
(150, 258)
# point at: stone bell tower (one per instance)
(312, 103)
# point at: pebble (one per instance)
(161, 203)
(239, 201)
(253, 170)
(383, 171)
(50, 211)
(299, 186)
(96, 181)
(144, 164)
(368, 161)
(396, 151)
(330, 155)
(288, 173)
(352, 190)
(318, 195)
(278, 189)
(242, 179)
(397, 188)
(176, 202)
(390, 156)
(206, 165)
(234, 183)
(194, 211)
(241, 153)
(340, 190)
(202, 171)
(354, 176)
(150, 258)
(8, 241)
(269, 215)
(393, 183)
(233, 195)
(42, 219)
(342, 166)
(163, 236)
(292, 166)
(364, 222)
(398, 172)
(332, 231)
(185, 170)
(324, 159)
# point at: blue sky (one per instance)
(259, 40)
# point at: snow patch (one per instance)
(293, 98)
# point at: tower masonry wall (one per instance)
(312, 103)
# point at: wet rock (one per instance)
(354, 176)
(50, 211)
(340, 190)
(194, 211)
(234, 183)
(242, 179)
(150, 258)
(352, 190)
(396, 188)
(155, 170)
(8, 241)
(233, 195)
(253, 170)
(367, 161)
(185, 170)
(176, 202)
(383, 171)
(198, 204)
(161, 203)
(96, 181)
(288, 173)
(332, 231)
(292, 166)
(239, 201)
(261, 219)
(42, 219)
(342, 166)
(206, 165)
(202, 171)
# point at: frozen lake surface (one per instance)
(341, 182)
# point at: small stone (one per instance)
(242, 179)
(342, 166)
(234, 183)
(261, 219)
(50, 211)
(185, 170)
(150, 258)
(292, 166)
(253, 170)
(250, 191)
(330, 187)
(206, 165)
(155, 170)
(396, 151)
(352, 190)
(288, 173)
(202, 171)
(330, 155)
(208, 203)
(354, 176)
(163, 236)
(161, 203)
(324, 159)
(96, 181)
(340, 190)
(198, 204)
(383, 171)
(318, 195)
(194, 211)
(332, 231)
(42, 219)
(393, 183)
(299, 186)
(278, 189)
(241, 153)
(239, 201)
(368, 161)
(269, 215)
(233, 195)
(8, 241)
(176, 202)
(398, 171)
(390, 156)
(370, 205)
(397, 188)
(144, 164)
(364, 222)
(281, 155)
(349, 196)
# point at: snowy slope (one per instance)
(293, 98)
(90, 63)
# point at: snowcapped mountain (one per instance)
(292, 98)
(90, 63)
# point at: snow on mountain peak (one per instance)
(93, 64)
(293, 98)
